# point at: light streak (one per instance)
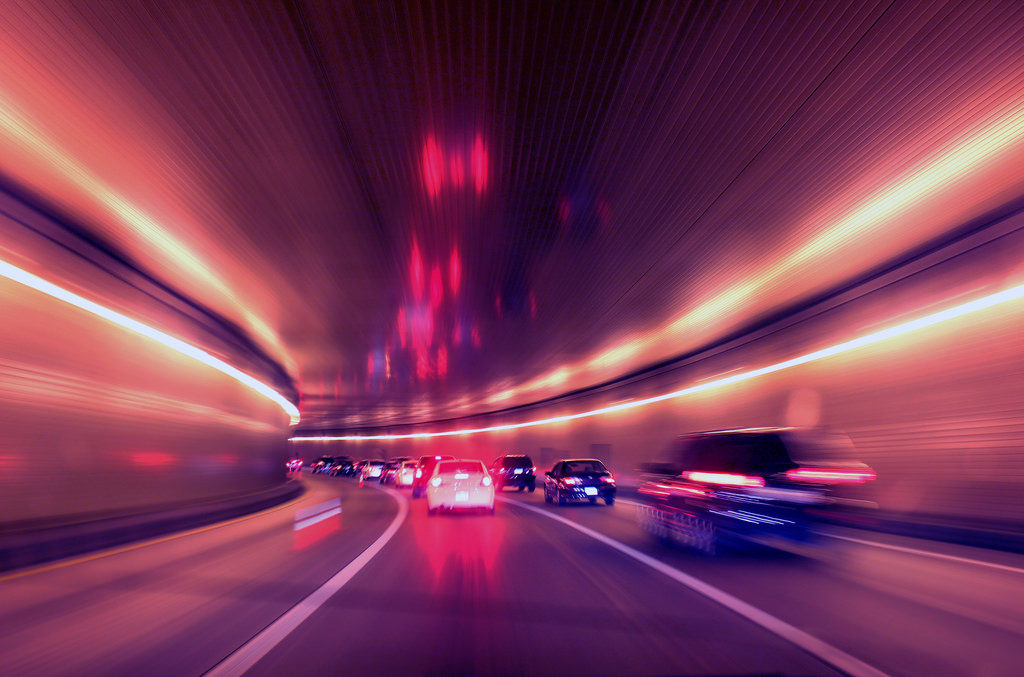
(135, 219)
(901, 329)
(26, 278)
(868, 220)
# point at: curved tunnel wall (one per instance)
(939, 412)
(95, 420)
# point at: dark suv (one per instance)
(741, 486)
(341, 465)
(513, 470)
(581, 479)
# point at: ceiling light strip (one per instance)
(23, 277)
(901, 329)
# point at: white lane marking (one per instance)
(318, 508)
(821, 650)
(315, 519)
(251, 652)
(926, 553)
(318, 513)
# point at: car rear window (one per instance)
(573, 467)
(823, 448)
(452, 467)
(763, 454)
(516, 462)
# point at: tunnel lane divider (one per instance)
(318, 513)
(250, 653)
(145, 544)
(897, 548)
(821, 650)
(925, 553)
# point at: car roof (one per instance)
(739, 431)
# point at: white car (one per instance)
(371, 471)
(460, 484)
(406, 473)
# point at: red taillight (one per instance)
(608, 479)
(724, 478)
(831, 475)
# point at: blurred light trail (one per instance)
(869, 221)
(20, 276)
(138, 222)
(901, 329)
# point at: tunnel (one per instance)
(511, 337)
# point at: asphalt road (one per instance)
(383, 588)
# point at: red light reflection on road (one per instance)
(433, 167)
(457, 544)
(480, 170)
(416, 271)
(455, 272)
(152, 459)
(436, 287)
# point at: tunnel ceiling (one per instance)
(427, 210)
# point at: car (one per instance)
(756, 486)
(460, 485)
(579, 479)
(371, 470)
(387, 475)
(341, 465)
(423, 472)
(513, 470)
(319, 464)
(406, 473)
(294, 465)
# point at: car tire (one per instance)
(491, 511)
(609, 501)
(593, 500)
(547, 495)
(532, 487)
(431, 511)
(520, 489)
(562, 500)
(705, 537)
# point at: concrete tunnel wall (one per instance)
(939, 413)
(97, 421)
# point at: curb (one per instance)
(28, 546)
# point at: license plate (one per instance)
(461, 495)
(590, 491)
(517, 471)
